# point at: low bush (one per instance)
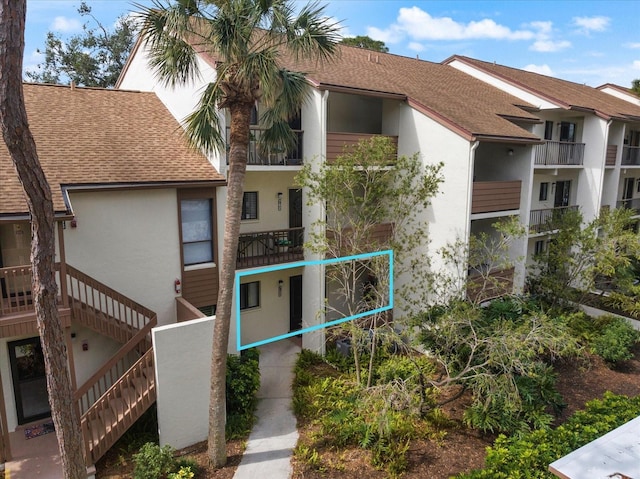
(153, 462)
(243, 382)
(528, 456)
(615, 340)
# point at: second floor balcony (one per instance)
(559, 153)
(265, 248)
(493, 196)
(542, 221)
(631, 155)
(630, 204)
(257, 157)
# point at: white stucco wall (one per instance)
(129, 240)
(182, 354)
(624, 96)
(592, 175)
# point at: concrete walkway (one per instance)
(274, 435)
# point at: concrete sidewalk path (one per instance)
(274, 435)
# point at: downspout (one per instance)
(472, 161)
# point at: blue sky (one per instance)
(592, 42)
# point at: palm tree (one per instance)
(22, 149)
(247, 38)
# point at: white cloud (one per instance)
(549, 45)
(542, 69)
(419, 25)
(66, 25)
(592, 24)
(636, 65)
(632, 45)
(389, 35)
(415, 46)
(543, 28)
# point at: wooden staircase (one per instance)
(111, 400)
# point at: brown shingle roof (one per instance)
(90, 136)
(461, 102)
(565, 93)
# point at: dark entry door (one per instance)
(295, 303)
(295, 218)
(627, 194)
(29, 380)
(563, 190)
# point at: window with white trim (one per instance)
(197, 231)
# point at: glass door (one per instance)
(29, 380)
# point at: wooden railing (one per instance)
(270, 247)
(104, 310)
(255, 156)
(631, 155)
(559, 153)
(630, 204)
(612, 152)
(490, 196)
(485, 286)
(15, 290)
(337, 142)
(118, 408)
(542, 220)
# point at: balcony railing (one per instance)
(486, 285)
(541, 221)
(270, 247)
(631, 204)
(292, 157)
(612, 152)
(559, 153)
(631, 155)
(490, 196)
(336, 143)
(15, 290)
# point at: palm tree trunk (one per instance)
(239, 140)
(22, 148)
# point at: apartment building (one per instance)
(588, 159)
(131, 200)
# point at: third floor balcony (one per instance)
(631, 155)
(337, 142)
(559, 153)
(545, 220)
(257, 157)
(264, 248)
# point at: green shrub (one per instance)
(153, 462)
(192, 465)
(243, 382)
(615, 340)
(528, 456)
(184, 472)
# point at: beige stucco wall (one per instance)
(129, 240)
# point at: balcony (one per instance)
(492, 196)
(256, 157)
(559, 153)
(631, 155)
(336, 143)
(265, 248)
(631, 204)
(484, 286)
(612, 152)
(541, 221)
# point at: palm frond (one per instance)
(311, 34)
(202, 127)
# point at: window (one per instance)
(544, 191)
(548, 130)
(250, 205)
(638, 187)
(540, 247)
(568, 131)
(254, 115)
(197, 231)
(250, 295)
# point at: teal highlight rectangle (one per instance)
(298, 264)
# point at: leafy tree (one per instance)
(373, 202)
(94, 58)
(366, 42)
(248, 72)
(22, 149)
(635, 86)
(581, 258)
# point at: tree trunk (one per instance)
(239, 139)
(22, 149)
